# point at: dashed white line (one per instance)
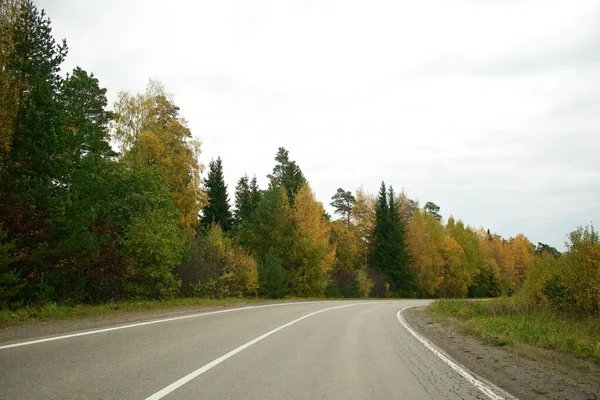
(177, 384)
(483, 387)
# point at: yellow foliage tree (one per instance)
(348, 246)
(425, 237)
(523, 252)
(456, 270)
(9, 87)
(151, 134)
(313, 254)
(364, 219)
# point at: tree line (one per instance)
(99, 205)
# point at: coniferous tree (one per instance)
(390, 254)
(30, 181)
(343, 202)
(243, 201)
(398, 269)
(381, 233)
(287, 174)
(217, 211)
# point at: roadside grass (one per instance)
(53, 311)
(503, 322)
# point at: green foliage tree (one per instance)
(343, 202)
(271, 277)
(433, 210)
(544, 248)
(391, 254)
(286, 174)
(580, 273)
(30, 182)
(217, 210)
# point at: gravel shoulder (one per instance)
(524, 371)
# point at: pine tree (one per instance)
(343, 202)
(217, 211)
(30, 181)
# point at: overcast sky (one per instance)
(489, 108)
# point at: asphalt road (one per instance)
(322, 350)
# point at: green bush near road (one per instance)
(506, 321)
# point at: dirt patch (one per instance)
(523, 371)
(41, 329)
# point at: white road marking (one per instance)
(177, 384)
(158, 321)
(483, 387)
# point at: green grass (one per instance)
(54, 311)
(504, 322)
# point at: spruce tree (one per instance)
(287, 174)
(381, 233)
(243, 201)
(217, 211)
(397, 269)
(390, 253)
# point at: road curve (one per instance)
(320, 350)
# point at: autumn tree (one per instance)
(348, 246)
(425, 238)
(217, 210)
(455, 271)
(151, 134)
(9, 84)
(343, 202)
(313, 256)
(364, 222)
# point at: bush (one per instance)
(219, 268)
(271, 277)
(580, 272)
(364, 284)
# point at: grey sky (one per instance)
(491, 109)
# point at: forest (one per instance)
(102, 203)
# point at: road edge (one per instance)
(483, 385)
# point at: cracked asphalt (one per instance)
(357, 352)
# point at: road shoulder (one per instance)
(526, 373)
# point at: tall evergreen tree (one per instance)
(30, 181)
(243, 201)
(217, 211)
(398, 268)
(381, 233)
(390, 254)
(287, 174)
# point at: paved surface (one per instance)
(356, 352)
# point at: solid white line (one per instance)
(484, 388)
(177, 384)
(158, 321)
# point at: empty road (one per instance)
(320, 350)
